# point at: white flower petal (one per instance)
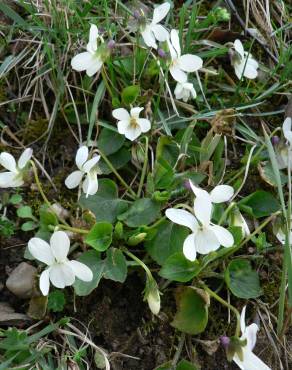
(135, 112)
(190, 63)
(189, 248)
(178, 74)
(239, 47)
(223, 235)
(198, 191)
(8, 161)
(94, 67)
(160, 12)
(206, 241)
(250, 361)
(179, 91)
(221, 193)
(80, 270)
(238, 69)
(82, 61)
(144, 124)
(203, 208)
(10, 180)
(61, 275)
(122, 126)
(90, 184)
(81, 156)
(60, 245)
(24, 158)
(41, 251)
(45, 282)
(242, 320)
(132, 133)
(148, 37)
(250, 71)
(91, 163)
(160, 33)
(175, 42)
(251, 335)
(93, 35)
(121, 114)
(182, 217)
(74, 179)
(287, 125)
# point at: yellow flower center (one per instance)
(133, 122)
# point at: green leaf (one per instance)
(105, 204)
(100, 236)
(56, 301)
(15, 199)
(259, 204)
(118, 159)
(242, 280)
(28, 226)
(168, 240)
(47, 217)
(93, 261)
(163, 174)
(96, 102)
(186, 365)
(130, 94)
(107, 136)
(192, 310)
(141, 212)
(178, 268)
(25, 212)
(115, 265)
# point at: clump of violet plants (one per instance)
(151, 180)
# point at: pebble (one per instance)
(21, 280)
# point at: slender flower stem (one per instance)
(74, 229)
(144, 168)
(287, 257)
(141, 263)
(226, 304)
(256, 231)
(122, 181)
(226, 212)
(39, 185)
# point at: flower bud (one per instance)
(137, 14)
(161, 53)
(275, 140)
(119, 230)
(152, 295)
(111, 44)
(225, 341)
(136, 239)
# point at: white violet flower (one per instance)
(130, 124)
(206, 237)
(181, 64)
(243, 62)
(284, 152)
(250, 360)
(16, 171)
(185, 91)
(287, 130)
(220, 194)
(61, 272)
(86, 167)
(154, 31)
(238, 220)
(91, 60)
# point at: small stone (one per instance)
(21, 280)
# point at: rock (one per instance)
(21, 280)
(9, 317)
